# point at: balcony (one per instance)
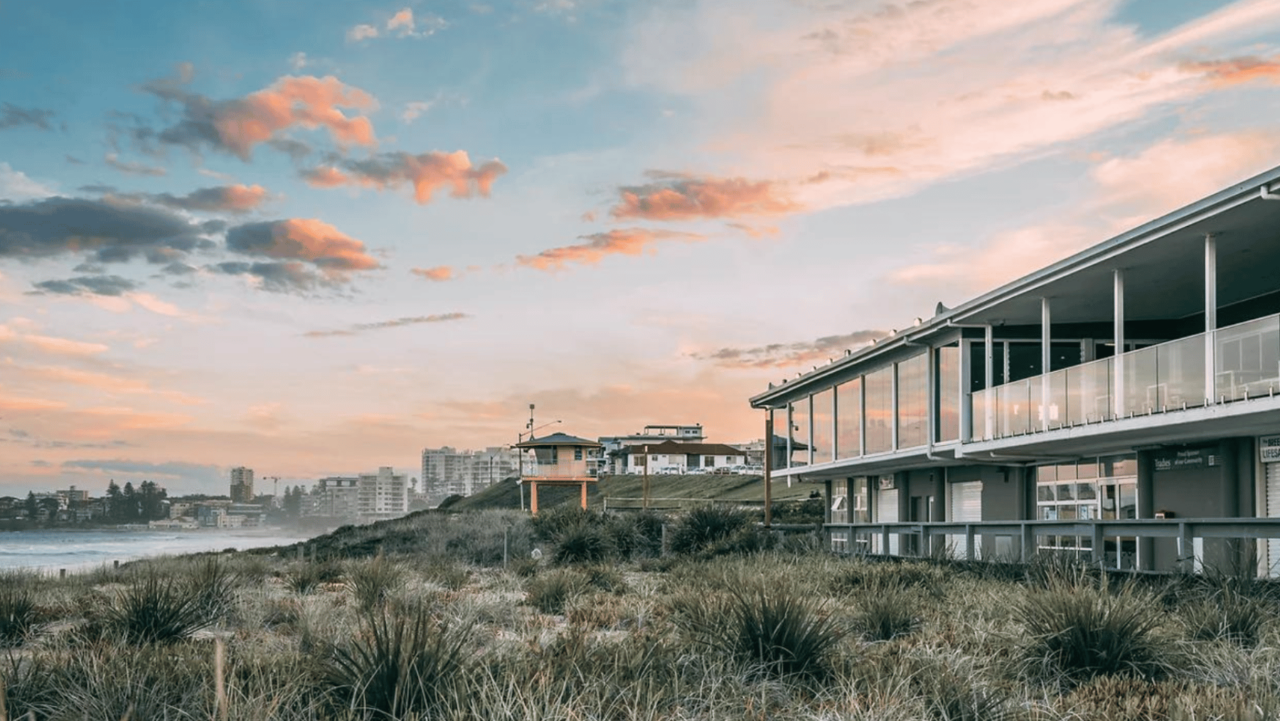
(1161, 378)
(531, 470)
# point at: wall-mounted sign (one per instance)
(1187, 458)
(887, 483)
(1269, 449)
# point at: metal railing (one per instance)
(1160, 378)
(560, 469)
(618, 503)
(921, 539)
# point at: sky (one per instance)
(316, 238)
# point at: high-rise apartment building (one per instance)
(448, 471)
(384, 494)
(241, 484)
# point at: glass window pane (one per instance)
(800, 433)
(948, 368)
(913, 402)
(849, 419)
(879, 414)
(1044, 493)
(1086, 491)
(823, 417)
(1067, 512)
(1066, 492)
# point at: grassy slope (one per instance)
(708, 487)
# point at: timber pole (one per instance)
(645, 484)
(768, 470)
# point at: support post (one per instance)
(1046, 362)
(1186, 548)
(1099, 552)
(533, 498)
(584, 495)
(1117, 366)
(968, 542)
(965, 400)
(646, 477)
(1028, 542)
(989, 376)
(884, 540)
(768, 464)
(1210, 316)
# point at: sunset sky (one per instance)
(314, 238)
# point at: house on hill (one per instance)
(673, 457)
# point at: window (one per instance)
(577, 453)
(879, 413)
(800, 412)
(849, 419)
(913, 402)
(709, 461)
(948, 385)
(823, 417)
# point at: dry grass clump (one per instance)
(151, 609)
(373, 582)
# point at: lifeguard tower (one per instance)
(558, 460)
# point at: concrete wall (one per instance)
(1223, 490)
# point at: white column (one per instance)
(966, 400)
(1045, 361)
(862, 416)
(989, 353)
(931, 394)
(893, 407)
(1210, 315)
(1117, 372)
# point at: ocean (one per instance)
(50, 550)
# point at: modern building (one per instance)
(558, 460)
(616, 448)
(382, 495)
(242, 484)
(448, 471)
(673, 457)
(333, 497)
(1120, 404)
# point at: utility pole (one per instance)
(646, 477)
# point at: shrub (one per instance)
(450, 575)
(304, 579)
(635, 535)
(605, 578)
(371, 582)
(1082, 632)
(401, 663)
(213, 586)
(583, 543)
(1227, 615)
(549, 592)
(886, 615)
(155, 610)
(18, 613)
(778, 633)
(525, 567)
(551, 524)
(710, 529)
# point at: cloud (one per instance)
(1234, 71)
(783, 355)
(397, 323)
(883, 99)
(131, 168)
(219, 199)
(439, 273)
(623, 241)
(426, 172)
(110, 285)
(685, 198)
(361, 32)
(415, 109)
(103, 231)
(298, 60)
(203, 475)
(27, 403)
(401, 21)
(16, 186)
(304, 239)
(279, 277)
(51, 345)
(12, 116)
(236, 126)
(1125, 191)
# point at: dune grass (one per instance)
(421, 632)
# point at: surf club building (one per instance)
(1122, 405)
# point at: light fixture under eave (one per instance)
(848, 351)
(918, 321)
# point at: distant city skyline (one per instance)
(315, 239)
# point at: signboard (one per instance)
(887, 483)
(1269, 449)
(1187, 458)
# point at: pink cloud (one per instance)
(305, 239)
(1233, 71)
(439, 273)
(629, 241)
(686, 198)
(304, 101)
(426, 173)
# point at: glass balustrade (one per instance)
(1166, 377)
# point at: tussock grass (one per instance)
(778, 633)
(152, 609)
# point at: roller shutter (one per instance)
(966, 507)
(1271, 556)
(887, 512)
